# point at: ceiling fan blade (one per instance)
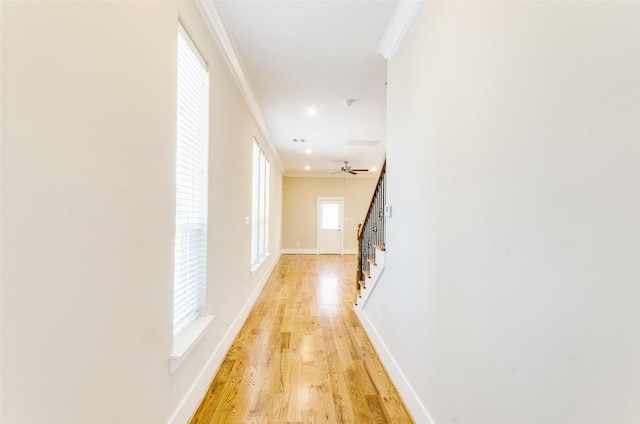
(354, 173)
(360, 170)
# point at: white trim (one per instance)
(308, 174)
(299, 251)
(412, 401)
(213, 21)
(195, 393)
(187, 339)
(400, 23)
(194, 49)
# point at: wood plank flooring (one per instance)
(302, 355)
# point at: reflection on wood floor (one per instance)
(302, 356)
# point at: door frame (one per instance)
(318, 223)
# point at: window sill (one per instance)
(256, 265)
(185, 341)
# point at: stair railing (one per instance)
(372, 232)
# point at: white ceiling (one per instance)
(301, 54)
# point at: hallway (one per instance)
(302, 356)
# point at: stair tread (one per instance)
(372, 261)
(379, 246)
(367, 273)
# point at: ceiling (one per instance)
(321, 55)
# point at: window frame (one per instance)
(191, 201)
(260, 205)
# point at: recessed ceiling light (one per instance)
(306, 168)
(312, 111)
(374, 169)
(308, 151)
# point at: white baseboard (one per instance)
(412, 401)
(191, 401)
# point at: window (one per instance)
(260, 207)
(190, 274)
(330, 216)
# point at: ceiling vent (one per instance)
(369, 143)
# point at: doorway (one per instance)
(330, 222)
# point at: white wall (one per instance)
(512, 288)
(87, 171)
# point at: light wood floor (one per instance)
(302, 356)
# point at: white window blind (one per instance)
(191, 186)
(260, 206)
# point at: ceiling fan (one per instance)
(347, 169)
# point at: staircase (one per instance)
(371, 276)
(371, 243)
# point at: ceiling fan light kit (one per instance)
(347, 169)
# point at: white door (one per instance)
(330, 225)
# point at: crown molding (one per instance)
(400, 22)
(215, 25)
